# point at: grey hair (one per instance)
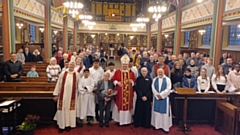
(52, 59)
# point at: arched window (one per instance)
(33, 33)
(234, 35)
(89, 40)
(186, 37)
(206, 39)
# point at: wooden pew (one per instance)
(27, 86)
(237, 127)
(26, 93)
(225, 118)
(40, 74)
(34, 79)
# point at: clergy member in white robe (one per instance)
(66, 94)
(86, 98)
(161, 110)
(97, 73)
(79, 66)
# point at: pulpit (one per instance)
(111, 55)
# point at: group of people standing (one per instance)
(96, 93)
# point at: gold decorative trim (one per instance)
(28, 15)
(231, 14)
(196, 22)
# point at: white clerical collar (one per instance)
(161, 77)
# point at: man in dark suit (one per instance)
(28, 55)
(104, 87)
(1, 71)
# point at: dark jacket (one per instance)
(171, 64)
(177, 76)
(193, 83)
(28, 57)
(142, 60)
(12, 68)
(37, 58)
(100, 88)
(86, 62)
(61, 63)
(90, 57)
(1, 71)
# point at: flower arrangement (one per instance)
(109, 92)
(29, 123)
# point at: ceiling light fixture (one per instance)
(55, 32)
(73, 7)
(19, 25)
(199, 1)
(201, 32)
(92, 36)
(131, 37)
(41, 29)
(166, 35)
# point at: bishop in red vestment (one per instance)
(124, 80)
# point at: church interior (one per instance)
(207, 27)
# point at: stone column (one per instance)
(48, 31)
(177, 36)
(65, 34)
(8, 29)
(148, 35)
(216, 33)
(159, 36)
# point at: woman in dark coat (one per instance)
(142, 115)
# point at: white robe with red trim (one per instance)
(66, 117)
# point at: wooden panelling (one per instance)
(105, 9)
(93, 8)
(98, 8)
(128, 10)
(133, 10)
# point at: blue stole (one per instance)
(160, 105)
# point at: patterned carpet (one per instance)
(124, 130)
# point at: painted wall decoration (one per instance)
(31, 6)
(198, 12)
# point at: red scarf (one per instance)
(79, 69)
(72, 104)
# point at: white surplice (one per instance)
(96, 74)
(86, 98)
(123, 117)
(66, 117)
(81, 72)
(111, 73)
(160, 120)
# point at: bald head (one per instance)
(160, 72)
(144, 71)
(145, 54)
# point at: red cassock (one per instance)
(124, 97)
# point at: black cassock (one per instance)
(142, 115)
